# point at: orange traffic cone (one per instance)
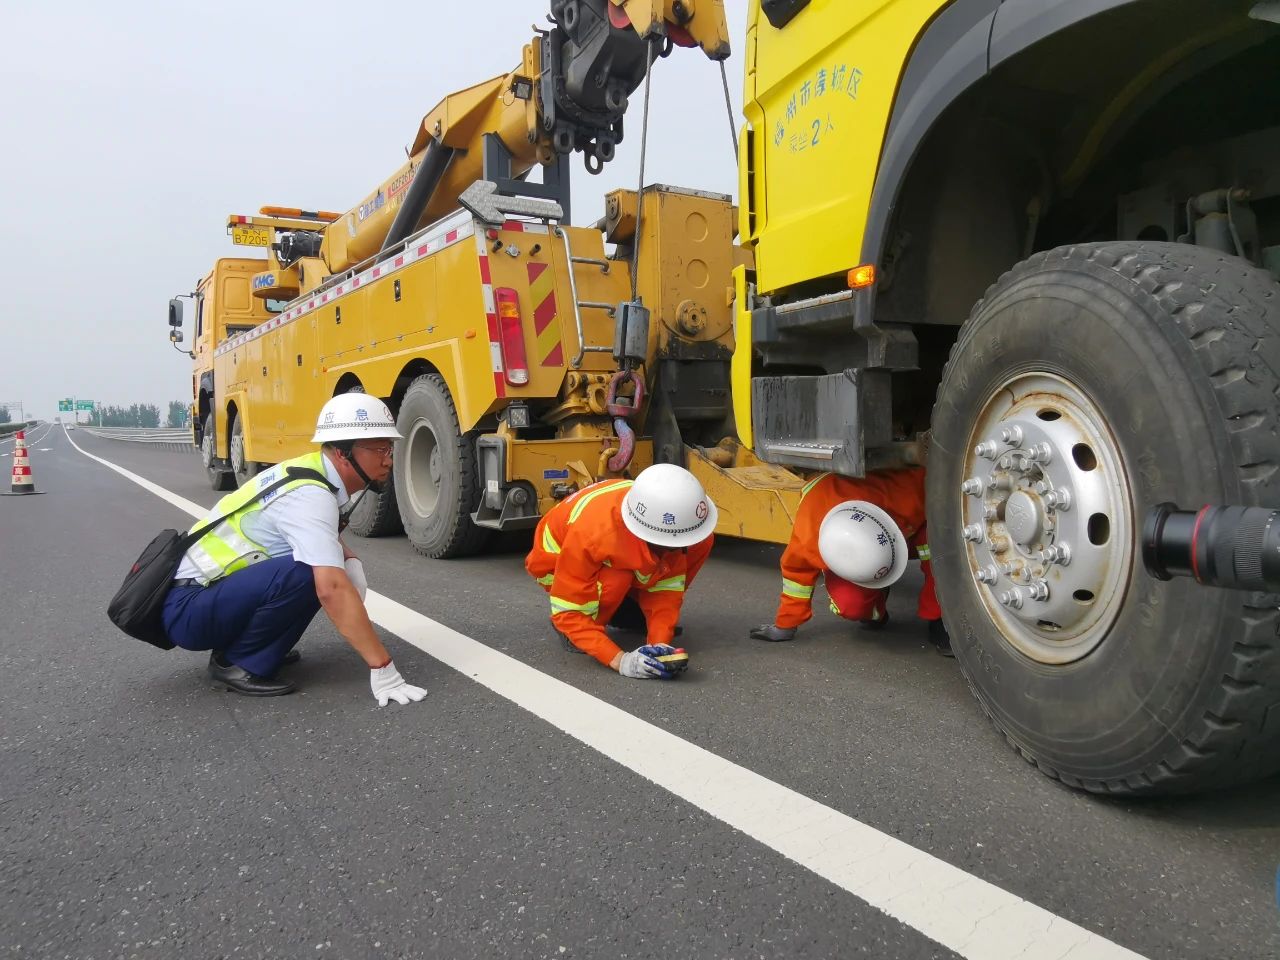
(22, 482)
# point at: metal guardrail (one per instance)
(169, 437)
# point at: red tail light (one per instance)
(515, 364)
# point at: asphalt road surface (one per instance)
(839, 796)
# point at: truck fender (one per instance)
(958, 49)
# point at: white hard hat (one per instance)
(667, 506)
(860, 543)
(354, 416)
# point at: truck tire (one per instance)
(218, 479)
(1134, 373)
(243, 470)
(376, 514)
(437, 483)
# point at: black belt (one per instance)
(188, 582)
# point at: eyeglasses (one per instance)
(383, 451)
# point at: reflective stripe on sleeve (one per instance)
(548, 580)
(670, 584)
(924, 552)
(548, 541)
(643, 578)
(560, 605)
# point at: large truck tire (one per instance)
(437, 482)
(243, 470)
(1091, 383)
(376, 514)
(219, 479)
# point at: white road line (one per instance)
(968, 916)
(9, 438)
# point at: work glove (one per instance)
(772, 633)
(643, 663)
(355, 571)
(388, 685)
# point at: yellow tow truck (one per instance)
(1031, 244)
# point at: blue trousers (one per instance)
(253, 617)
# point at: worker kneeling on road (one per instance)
(248, 588)
(618, 540)
(857, 535)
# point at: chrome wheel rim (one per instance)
(1048, 522)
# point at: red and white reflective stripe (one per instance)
(447, 235)
(490, 316)
(524, 226)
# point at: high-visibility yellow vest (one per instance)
(226, 549)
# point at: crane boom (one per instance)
(568, 94)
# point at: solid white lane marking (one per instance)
(182, 503)
(959, 911)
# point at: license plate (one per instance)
(251, 236)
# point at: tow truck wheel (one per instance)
(218, 479)
(1091, 383)
(243, 470)
(437, 483)
(376, 514)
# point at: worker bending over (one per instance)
(249, 587)
(645, 540)
(857, 534)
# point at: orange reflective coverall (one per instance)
(588, 561)
(900, 493)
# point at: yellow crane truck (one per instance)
(1034, 244)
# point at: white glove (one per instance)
(388, 685)
(355, 571)
(641, 663)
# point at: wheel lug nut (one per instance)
(990, 511)
(973, 533)
(972, 487)
(1040, 452)
(1012, 598)
(1040, 590)
(987, 449)
(1000, 481)
(1012, 435)
(1058, 499)
(1059, 553)
(999, 544)
(988, 574)
(1041, 487)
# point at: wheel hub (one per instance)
(1048, 526)
(421, 464)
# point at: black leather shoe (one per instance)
(240, 680)
(939, 637)
(293, 656)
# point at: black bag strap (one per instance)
(290, 474)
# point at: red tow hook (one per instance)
(621, 411)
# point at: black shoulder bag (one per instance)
(138, 604)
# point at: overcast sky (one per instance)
(132, 129)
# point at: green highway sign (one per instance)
(84, 404)
(64, 406)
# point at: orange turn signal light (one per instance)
(863, 276)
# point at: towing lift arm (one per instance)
(568, 94)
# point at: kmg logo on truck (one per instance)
(264, 280)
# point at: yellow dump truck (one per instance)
(1034, 245)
